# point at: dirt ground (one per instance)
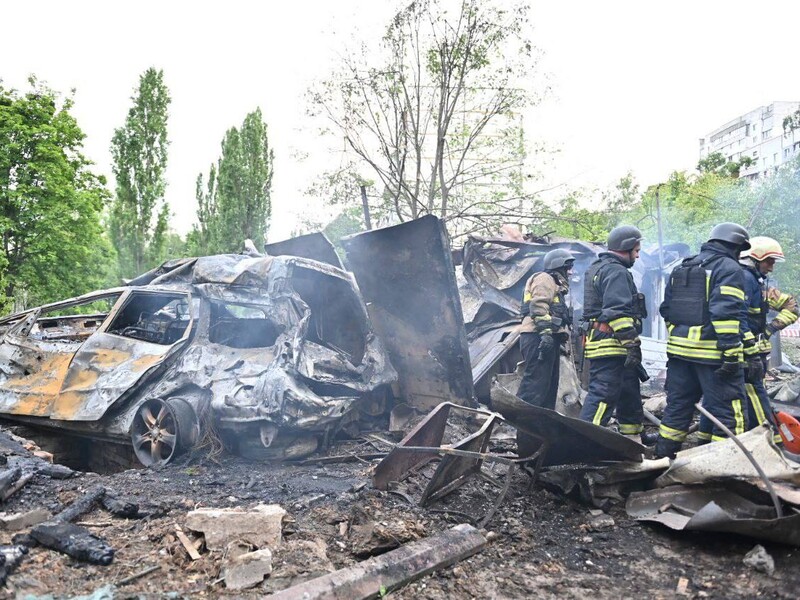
(335, 518)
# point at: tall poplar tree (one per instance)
(139, 214)
(234, 202)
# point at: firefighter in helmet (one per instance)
(545, 327)
(704, 308)
(613, 310)
(758, 262)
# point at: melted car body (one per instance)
(273, 353)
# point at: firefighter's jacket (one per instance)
(544, 303)
(760, 300)
(708, 324)
(611, 301)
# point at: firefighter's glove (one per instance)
(633, 356)
(730, 368)
(754, 370)
(547, 345)
(769, 330)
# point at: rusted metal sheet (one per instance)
(730, 507)
(315, 246)
(569, 441)
(407, 278)
(428, 432)
(454, 470)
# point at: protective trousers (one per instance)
(687, 382)
(539, 384)
(612, 386)
(759, 409)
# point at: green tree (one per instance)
(234, 203)
(50, 202)
(139, 214)
(433, 113)
(717, 163)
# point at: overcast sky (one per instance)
(635, 84)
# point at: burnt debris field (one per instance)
(247, 425)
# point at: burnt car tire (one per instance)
(163, 430)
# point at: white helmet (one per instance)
(762, 248)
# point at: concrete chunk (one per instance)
(17, 521)
(248, 570)
(260, 526)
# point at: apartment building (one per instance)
(758, 134)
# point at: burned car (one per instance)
(273, 354)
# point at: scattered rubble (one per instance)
(17, 521)
(260, 526)
(247, 570)
(203, 521)
(760, 560)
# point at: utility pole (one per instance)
(365, 206)
(661, 327)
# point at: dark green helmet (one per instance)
(732, 233)
(558, 258)
(624, 238)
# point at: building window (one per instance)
(775, 159)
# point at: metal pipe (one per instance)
(750, 457)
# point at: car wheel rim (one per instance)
(155, 433)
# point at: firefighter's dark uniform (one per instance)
(613, 309)
(704, 308)
(547, 313)
(760, 300)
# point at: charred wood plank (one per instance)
(118, 507)
(81, 506)
(14, 488)
(8, 477)
(74, 541)
(382, 574)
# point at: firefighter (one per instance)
(704, 307)
(545, 327)
(758, 262)
(613, 310)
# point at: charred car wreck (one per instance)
(274, 353)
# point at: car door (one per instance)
(146, 328)
(35, 354)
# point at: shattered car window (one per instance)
(337, 317)
(158, 318)
(73, 323)
(241, 326)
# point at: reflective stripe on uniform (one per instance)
(621, 323)
(676, 435)
(630, 429)
(718, 438)
(598, 415)
(738, 415)
(681, 350)
(602, 348)
(729, 290)
(704, 436)
(721, 327)
(756, 402)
